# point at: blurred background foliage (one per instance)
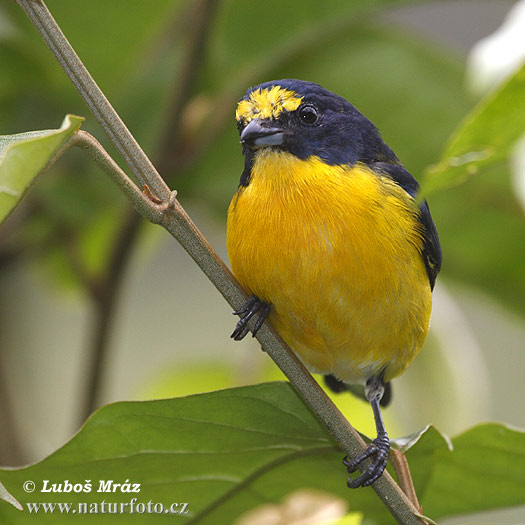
(82, 275)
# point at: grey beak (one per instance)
(257, 134)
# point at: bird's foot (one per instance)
(253, 306)
(379, 448)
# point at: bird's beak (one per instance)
(258, 134)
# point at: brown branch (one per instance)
(200, 18)
(89, 281)
(403, 475)
(110, 285)
(105, 302)
(173, 218)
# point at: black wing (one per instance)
(431, 247)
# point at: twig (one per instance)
(103, 111)
(105, 301)
(105, 312)
(109, 285)
(403, 475)
(176, 221)
(172, 216)
(103, 159)
(197, 26)
(106, 291)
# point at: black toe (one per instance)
(378, 449)
(252, 307)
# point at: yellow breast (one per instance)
(336, 252)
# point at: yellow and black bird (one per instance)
(324, 232)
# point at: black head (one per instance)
(305, 119)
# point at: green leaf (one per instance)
(197, 449)
(25, 155)
(230, 451)
(481, 469)
(484, 138)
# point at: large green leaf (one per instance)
(25, 155)
(480, 222)
(229, 451)
(481, 469)
(484, 138)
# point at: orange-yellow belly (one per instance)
(336, 252)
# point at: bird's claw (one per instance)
(379, 447)
(253, 306)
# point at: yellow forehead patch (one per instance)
(267, 103)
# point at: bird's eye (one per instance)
(308, 114)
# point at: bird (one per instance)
(328, 238)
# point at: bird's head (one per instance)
(304, 119)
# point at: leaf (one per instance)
(197, 449)
(481, 469)
(230, 451)
(480, 223)
(25, 155)
(484, 138)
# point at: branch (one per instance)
(173, 218)
(110, 284)
(170, 214)
(197, 27)
(103, 111)
(404, 477)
